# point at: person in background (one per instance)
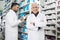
(35, 23)
(11, 26)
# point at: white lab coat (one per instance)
(0, 21)
(11, 27)
(33, 33)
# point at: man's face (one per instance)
(35, 8)
(16, 7)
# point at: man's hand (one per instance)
(22, 19)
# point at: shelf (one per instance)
(21, 0)
(23, 33)
(51, 23)
(58, 10)
(9, 3)
(20, 38)
(58, 20)
(58, 25)
(58, 37)
(49, 28)
(50, 17)
(24, 5)
(58, 15)
(48, 8)
(47, 3)
(58, 31)
(50, 34)
(25, 11)
(52, 12)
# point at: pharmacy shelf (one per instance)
(51, 18)
(7, 5)
(49, 28)
(24, 5)
(52, 12)
(50, 34)
(47, 3)
(23, 33)
(58, 31)
(27, 11)
(48, 8)
(58, 15)
(58, 25)
(58, 37)
(58, 10)
(58, 20)
(51, 23)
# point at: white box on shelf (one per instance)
(58, 15)
(47, 16)
(49, 21)
(51, 6)
(53, 0)
(58, 36)
(52, 28)
(49, 33)
(58, 10)
(58, 31)
(21, 10)
(54, 21)
(51, 17)
(58, 20)
(24, 4)
(47, 27)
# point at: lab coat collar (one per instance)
(36, 14)
(12, 10)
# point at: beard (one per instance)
(15, 11)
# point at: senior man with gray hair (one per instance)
(35, 23)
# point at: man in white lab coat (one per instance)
(11, 27)
(35, 24)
